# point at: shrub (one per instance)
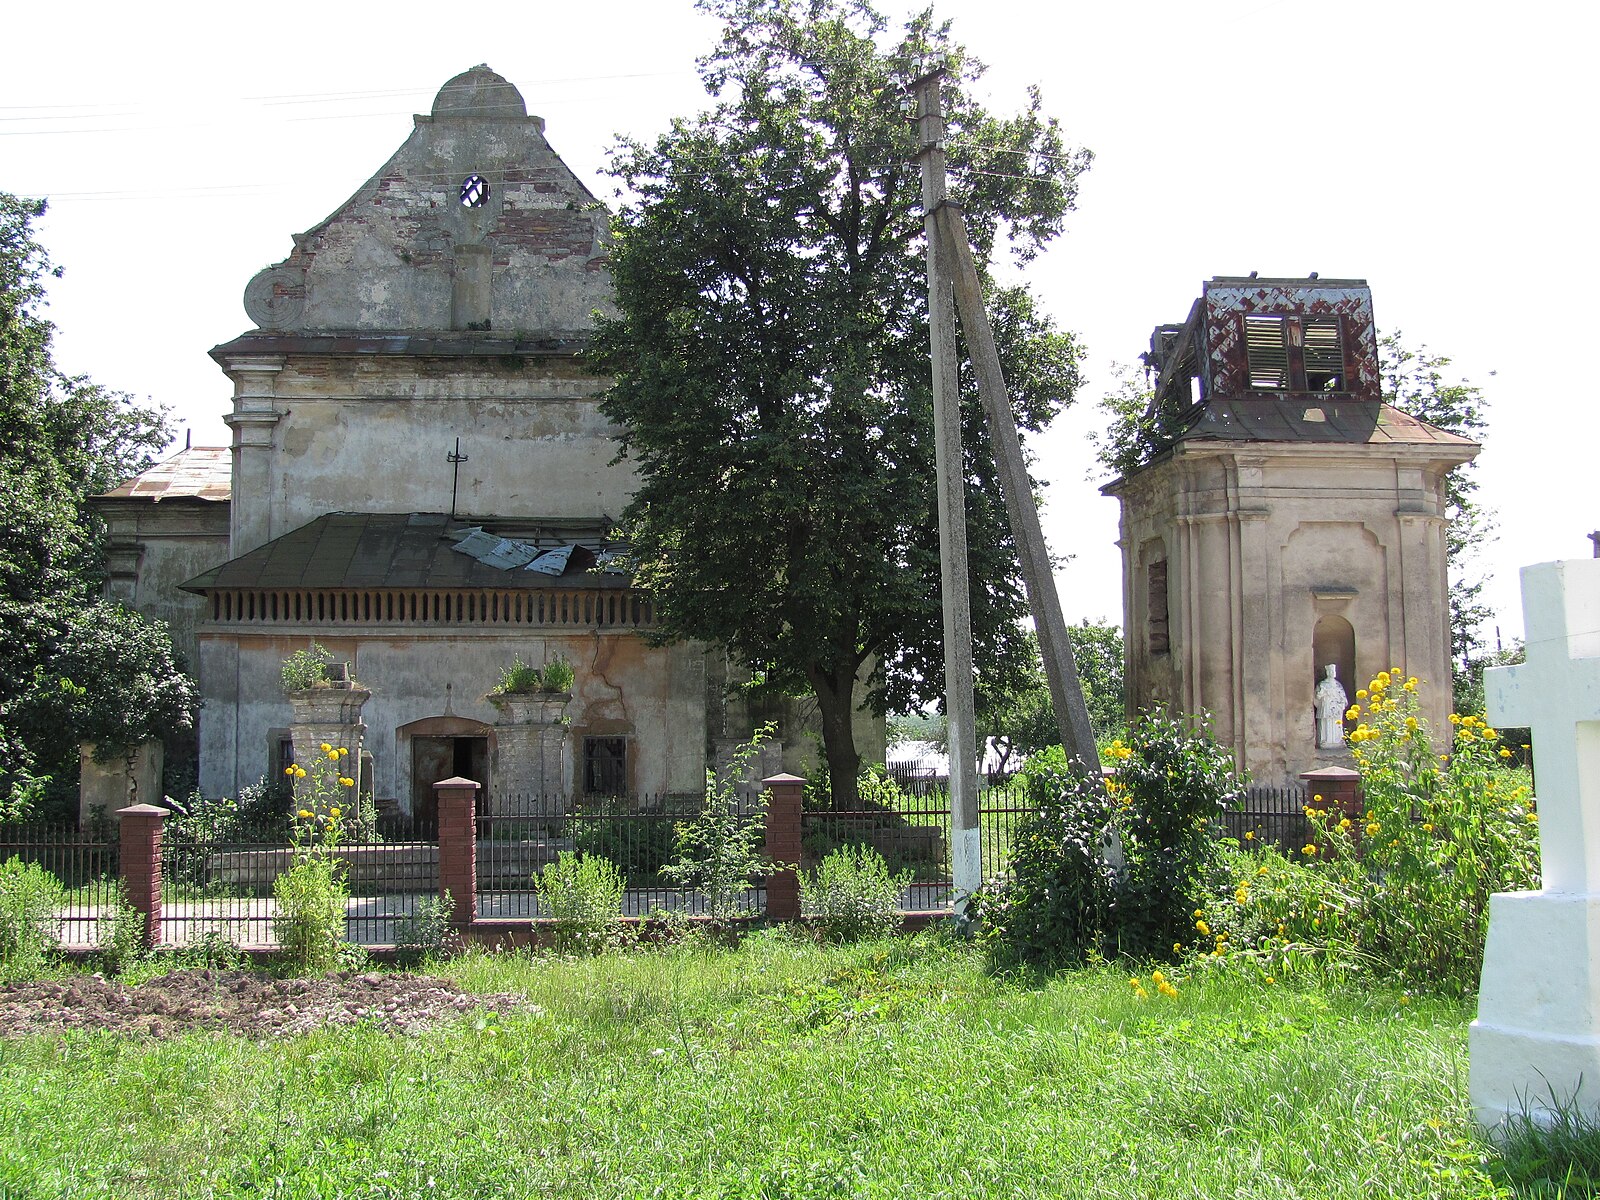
(120, 933)
(30, 899)
(721, 849)
(518, 679)
(1115, 867)
(852, 895)
(426, 932)
(306, 668)
(639, 843)
(557, 676)
(584, 897)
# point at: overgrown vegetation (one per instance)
(307, 668)
(1113, 868)
(582, 894)
(521, 679)
(720, 850)
(1402, 888)
(851, 895)
(311, 895)
(30, 900)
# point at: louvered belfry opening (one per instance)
(1324, 355)
(1267, 348)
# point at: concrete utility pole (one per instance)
(954, 254)
(966, 856)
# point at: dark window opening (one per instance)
(474, 191)
(605, 766)
(1156, 601)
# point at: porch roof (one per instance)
(413, 550)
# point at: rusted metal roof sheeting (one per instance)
(1278, 419)
(409, 550)
(196, 473)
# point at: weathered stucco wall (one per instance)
(154, 547)
(346, 434)
(1261, 540)
(622, 687)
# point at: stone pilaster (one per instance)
(530, 746)
(331, 715)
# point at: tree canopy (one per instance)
(769, 353)
(71, 666)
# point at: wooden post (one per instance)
(966, 857)
(140, 853)
(783, 845)
(458, 848)
(1066, 692)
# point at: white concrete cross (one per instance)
(1556, 693)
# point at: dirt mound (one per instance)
(249, 1003)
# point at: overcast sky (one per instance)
(1439, 150)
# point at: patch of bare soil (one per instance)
(248, 1003)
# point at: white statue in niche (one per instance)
(1332, 701)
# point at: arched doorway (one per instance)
(439, 748)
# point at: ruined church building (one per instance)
(421, 480)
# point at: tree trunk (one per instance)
(835, 691)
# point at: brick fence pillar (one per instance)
(783, 845)
(1335, 789)
(458, 848)
(140, 856)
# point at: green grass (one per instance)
(784, 1070)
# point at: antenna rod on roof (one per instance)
(455, 458)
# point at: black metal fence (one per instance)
(223, 884)
(1270, 816)
(86, 864)
(522, 834)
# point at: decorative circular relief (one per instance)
(274, 299)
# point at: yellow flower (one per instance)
(1345, 823)
(333, 755)
(1533, 818)
(299, 772)
(1261, 870)
(1404, 999)
(1351, 713)
(1411, 684)
(333, 812)
(346, 781)
(1454, 719)
(1202, 927)
(1373, 828)
(289, 770)
(1382, 680)
(1308, 849)
(305, 814)
(1270, 979)
(1361, 693)
(1177, 946)
(1136, 982)
(1504, 753)
(325, 747)
(1427, 827)
(1250, 835)
(1489, 735)
(1411, 722)
(343, 753)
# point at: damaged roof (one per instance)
(194, 473)
(420, 550)
(1299, 419)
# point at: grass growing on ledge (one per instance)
(780, 1069)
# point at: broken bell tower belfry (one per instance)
(1284, 520)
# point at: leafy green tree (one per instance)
(1023, 720)
(1415, 383)
(770, 356)
(62, 440)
